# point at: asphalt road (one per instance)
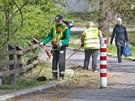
(112, 63)
(120, 89)
(101, 95)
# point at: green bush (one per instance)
(132, 38)
(38, 18)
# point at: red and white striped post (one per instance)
(103, 63)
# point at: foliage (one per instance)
(109, 10)
(36, 16)
(133, 51)
(81, 19)
(131, 36)
(111, 49)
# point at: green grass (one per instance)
(112, 49)
(133, 51)
(77, 36)
(22, 84)
(74, 41)
(28, 80)
(131, 36)
(74, 46)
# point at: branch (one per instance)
(20, 10)
(7, 20)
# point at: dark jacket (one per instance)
(121, 35)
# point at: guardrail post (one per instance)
(103, 63)
(11, 67)
(19, 57)
(0, 81)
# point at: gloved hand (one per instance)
(41, 44)
(59, 45)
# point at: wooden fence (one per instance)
(17, 60)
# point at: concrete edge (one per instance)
(126, 58)
(70, 73)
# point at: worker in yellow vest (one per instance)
(90, 40)
(59, 36)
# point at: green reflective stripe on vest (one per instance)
(57, 36)
(92, 40)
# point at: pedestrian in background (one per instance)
(90, 40)
(120, 34)
(59, 36)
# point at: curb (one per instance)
(69, 73)
(126, 58)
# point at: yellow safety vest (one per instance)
(91, 41)
(58, 33)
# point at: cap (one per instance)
(58, 17)
(119, 19)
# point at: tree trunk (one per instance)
(104, 16)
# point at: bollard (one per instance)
(103, 63)
(0, 81)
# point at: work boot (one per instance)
(119, 61)
(84, 68)
(54, 77)
(94, 70)
(61, 76)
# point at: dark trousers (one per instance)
(119, 52)
(88, 54)
(59, 58)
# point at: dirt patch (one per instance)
(52, 94)
(81, 79)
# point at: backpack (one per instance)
(69, 24)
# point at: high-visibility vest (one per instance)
(91, 40)
(58, 33)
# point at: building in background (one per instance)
(81, 6)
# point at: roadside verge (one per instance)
(69, 73)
